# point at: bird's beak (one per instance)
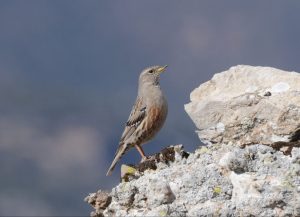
(162, 69)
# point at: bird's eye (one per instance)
(151, 71)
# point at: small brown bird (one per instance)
(147, 115)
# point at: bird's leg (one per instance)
(142, 153)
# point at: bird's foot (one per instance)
(143, 159)
(147, 158)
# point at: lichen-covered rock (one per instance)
(218, 180)
(250, 119)
(99, 200)
(247, 105)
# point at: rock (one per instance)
(127, 173)
(166, 156)
(221, 181)
(250, 119)
(99, 201)
(285, 147)
(247, 105)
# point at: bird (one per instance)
(147, 116)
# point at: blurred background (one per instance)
(68, 80)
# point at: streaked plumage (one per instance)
(147, 115)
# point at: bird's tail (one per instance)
(120, 152)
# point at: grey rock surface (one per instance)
(250, 119)
(217, 180)
(247, 105)
(99, 200)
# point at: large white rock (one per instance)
(247, 105)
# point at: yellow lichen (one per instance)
(203, 150)
(217, 190)
(163, 213)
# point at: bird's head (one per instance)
(151, 75)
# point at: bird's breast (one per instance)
(156, 117)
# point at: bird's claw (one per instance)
(147, 158)
(144, 159)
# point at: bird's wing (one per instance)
(136, 116)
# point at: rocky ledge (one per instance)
(249, 119)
